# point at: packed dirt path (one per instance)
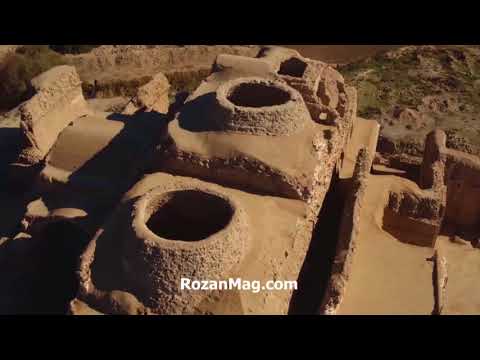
(463, 271)
(388, 277)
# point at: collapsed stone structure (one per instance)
(152, 96)
(226, 136)
(447, 195)
(460, 173)
(229, 186)
(57, 102)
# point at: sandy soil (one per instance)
(391, 277)
(463, 269)
(133, 61)
(388, 277)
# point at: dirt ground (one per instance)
(388, 277)
(463, 268)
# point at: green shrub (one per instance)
(18, 69)
(72, 49)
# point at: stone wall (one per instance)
(128, 62)
(57, 102)
(462, 178)
(348, 235)
(421, 210)
(152, 96)
(415, 217)
(449, 192)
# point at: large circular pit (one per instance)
(260, 107)
(179, 232)
(189, 215)
(257, 94)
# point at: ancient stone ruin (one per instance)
(263, 173)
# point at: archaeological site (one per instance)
(263, 169)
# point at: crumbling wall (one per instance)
(460, 172)
(57, 102)
(134, 61)
(152, 96)
(322, 87)
(364, 134)
(328, 99)
(348, 235)
(450, 183)
(275, 55)
(434, 152)
(421, 210)
(414, 217)
(463, 194)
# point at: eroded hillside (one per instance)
(414, 89)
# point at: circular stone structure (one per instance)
(188, 233)
(259, 106)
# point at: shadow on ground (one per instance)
(316, 270)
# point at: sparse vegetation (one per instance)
(182, 81)
(72, 49)
(185, 81)
(403, 78)
(19, 68)
(127, 88)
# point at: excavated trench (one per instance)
(316, 269)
